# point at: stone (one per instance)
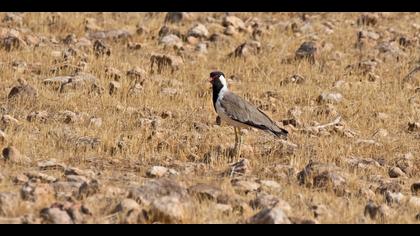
(137, 74)
(198, 31)
(240, 167)
(77, 171)
(294, 79)
(395, 172)
(374, 211)
(37, 192)
(126, 206)
(245, 185)
(95, 122)
(171, 40)
(333, 97)
(270, 216)
(114, 87)
(205, 191)
(89, 188)
(156, 188)
(23, 90)
(167, 209)
(176, 17)
(413, 126)
(38, 116)
(13, 155)
(233, 21)
(66, 189)
(415, 188)
(113, 73)
(100, 49)
(247, 49)
(2, 137)
(270, 185)
(321, 211)
(321, 175)
(55, 216)
(157, 171)
(391, 197)
(264, 200)
(7, 120)
(201, 48)
(307, 50)
(414, 202)
(223, 208)
(40, 176)
(20, 179)
(8, 203)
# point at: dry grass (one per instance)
(176, 139)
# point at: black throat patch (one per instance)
(217, 86)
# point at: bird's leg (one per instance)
(240, 140)
(235, 148)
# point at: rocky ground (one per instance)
(108, 118)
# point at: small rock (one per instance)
(294, 79)
(264, 200)
(322, 175)
(224, 208)
(89, 188)
(308, 50)
(233, 21)
(66, 189)
(8, 203)
(321, 211)
(199, 31)
(114, 86)
(113, 73)
(414, 202)
(374, 211)
(11, 154)
(205, 191)
(330, 98)
(171, 40)
(38, 116)
(36, 192)
(101, 49)
(137, 74)
(157, 171)
(415, 188)
(270, 185)
(167, 209)
(391, 197)
(126, 205)
(40, 176)
(76, 171)
(95, 122)
(7, 120)
(23, 90)
(156, 188)
(20, 179)
(245, 185)
(414, 127)
(176, 17)
(55, 216)
(395, 172)
(241, 167)
(2, 137)
(201, 48)
(270, 216)
(134, 46)
(247, 49)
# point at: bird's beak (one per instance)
(210, 80)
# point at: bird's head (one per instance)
(217, 78)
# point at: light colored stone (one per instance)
(395, 172)
(332, 97)
(414, 202)
(127, 205)
(270, 216)
(199, 31)
(13, 155)
(55, 216)
(167, 209)
(157, 171)
(245, 185)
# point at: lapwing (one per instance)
(239, 113)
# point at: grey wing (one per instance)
(242, 111)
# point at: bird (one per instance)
(239, 113)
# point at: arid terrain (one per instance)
(108, 118)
